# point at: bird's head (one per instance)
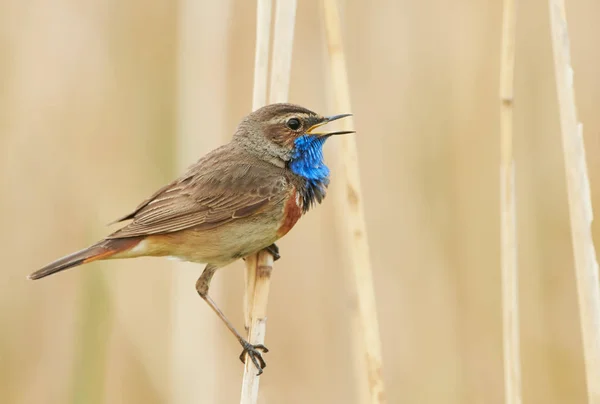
(289, 135)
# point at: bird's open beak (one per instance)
(326, 121)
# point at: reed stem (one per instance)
(259, 266)
(508, 229)
(580, 204)
(355, 234)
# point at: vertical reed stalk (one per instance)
(259, 99)
(259, 266)
(283, 40)
(580, 204)
(261, 52)
(92, 341)
(355, 235)
(508, 229)
(200, 86)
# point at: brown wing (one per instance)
(217, 190)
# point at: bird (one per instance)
(236, 200)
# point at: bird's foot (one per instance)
(274, 250)
(255, 355)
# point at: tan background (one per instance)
(103, 101)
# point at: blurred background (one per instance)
(103, 101)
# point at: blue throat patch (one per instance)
(307, 162)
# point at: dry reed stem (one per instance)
(259, 266)
(264, 10)
(261, 55)
(580, 204)
(355, 236)
(283, 39)
(201, 87)
(508, 231)
(254, 314)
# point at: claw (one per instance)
(255, 355)
(274, 250)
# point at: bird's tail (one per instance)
(102, 250)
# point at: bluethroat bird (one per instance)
(235, 201)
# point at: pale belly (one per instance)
(218, 246)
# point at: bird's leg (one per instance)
(274, 250)
(253, 351)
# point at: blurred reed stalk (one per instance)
(354, 235)
(93, 339)
(580, 204)
(200, 122)
(508, 229)
(259, 266)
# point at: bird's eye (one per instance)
(293, 124)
